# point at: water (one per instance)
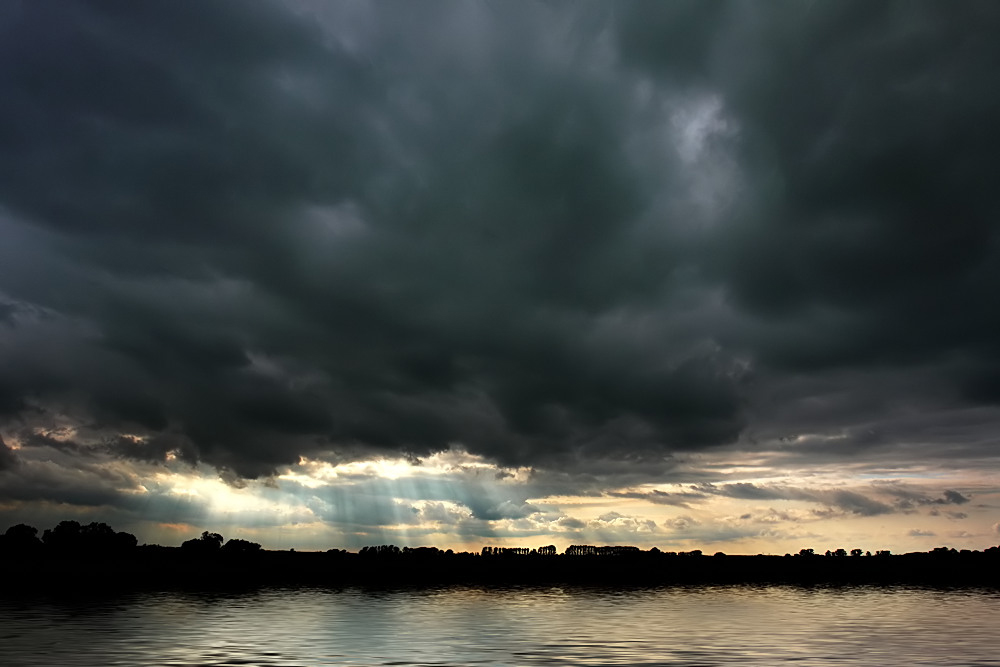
(528, 626)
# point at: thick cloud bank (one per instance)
(571, 236)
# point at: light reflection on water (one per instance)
(518, 626)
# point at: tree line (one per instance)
(72, 537)
(96, 538)
(114, 558)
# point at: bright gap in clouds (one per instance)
(460, 501)
(454, 499)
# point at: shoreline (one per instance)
(169, 567)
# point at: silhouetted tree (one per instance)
(21, 532)
(125, 541)
(589, 550)
(64, 536)
(237, 546)
(207, 544)
(97, 537)
(381, 551)
(93, 538)
(422, 551)
(942, 552)
(20, 540)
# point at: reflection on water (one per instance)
(553, 626)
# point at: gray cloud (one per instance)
(583, 239)
(859, 504)
(845, 500)
(906, 497)
(8, 459)
(953, 498)
(679, 499)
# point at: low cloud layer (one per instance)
(591, 240)
(871, 499)
(462, 501)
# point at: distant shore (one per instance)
(73, 557)
(155, 566)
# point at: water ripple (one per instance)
(473, 626)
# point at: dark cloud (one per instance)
(917, 532)
(859, 504)
(571, 237)
(569, 523)
(505, 510)
(82, 486)
(881, 497)
(748, 491)
(153, 449)
(679, 499)
(867, 243)
(844, 500)
(8, 459)
(31, 438)
(907, 497)
(953, 498)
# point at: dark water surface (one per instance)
(518, 626)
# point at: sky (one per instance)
(694, 275)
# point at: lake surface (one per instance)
(731, 625)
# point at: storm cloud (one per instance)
(555, 235)
(7, 457)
